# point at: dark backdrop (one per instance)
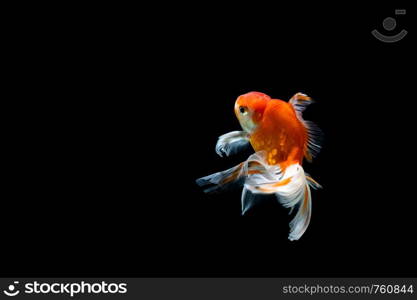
(119, 115)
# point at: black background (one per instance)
(113, 116)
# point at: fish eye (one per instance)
(242, 109)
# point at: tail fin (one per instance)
(297, 195)
(254, 170)
(291, 187)
(220, 180)
(255, 164)
(293, 191)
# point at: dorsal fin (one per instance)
(300, 102)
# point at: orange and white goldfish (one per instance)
(281, 139)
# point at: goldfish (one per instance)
(281, 140)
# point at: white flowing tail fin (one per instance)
(292, 189)
(220, 180)
(296, 195)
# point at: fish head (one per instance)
(249, 109)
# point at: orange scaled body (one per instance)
(278, 131)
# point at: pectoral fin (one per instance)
(232, 142)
